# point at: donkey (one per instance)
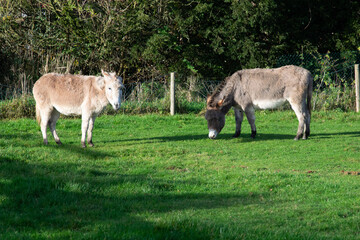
(75, 95)
(247, 90)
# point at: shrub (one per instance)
(21, 107)
(331, 98)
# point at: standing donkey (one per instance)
(247, 90)
(75, 95)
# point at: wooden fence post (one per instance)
(172, 93)
(357, 86)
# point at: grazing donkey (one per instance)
(75, 95)
(247, 90)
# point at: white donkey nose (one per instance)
(212, 133)
(117, 106)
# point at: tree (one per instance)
(140, 39)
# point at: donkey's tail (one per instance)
(38, 118)
(309, 94)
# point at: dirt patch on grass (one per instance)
(355, 173)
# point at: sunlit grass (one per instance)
(159, 177)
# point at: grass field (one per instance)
(160, 177)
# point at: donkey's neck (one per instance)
(227, 94)
(99, 99)
(103, 99)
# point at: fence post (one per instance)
(172, 93)
(357, 86)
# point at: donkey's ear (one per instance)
(208, 99)
(105, 74)
(100, 82)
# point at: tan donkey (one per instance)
(247, 90)
(75, 95)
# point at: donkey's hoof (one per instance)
(253, 134)
(59, 142)
(236, 135)
(83, 145)
(90, 144)
(46, 142)
(296, 138)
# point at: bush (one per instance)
(339, 98)
(21, 107)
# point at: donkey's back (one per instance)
(66, 93)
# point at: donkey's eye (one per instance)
(109, 88)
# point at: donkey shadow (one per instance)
(225, 136)
(89, 152)
(228, 136)
(328, 135)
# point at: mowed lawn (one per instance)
(160, 177)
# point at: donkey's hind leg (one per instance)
(250, 115)
(52, 125)
(307, 123)
(45, 115)
(300, 111)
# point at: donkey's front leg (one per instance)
(250, 115)
(239, 116)
(84, 127)
(90, 129)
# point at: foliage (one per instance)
(22, 107)
(160, 177)
(138, 39)
(329, 70)
(335, 98)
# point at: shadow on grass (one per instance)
(33, 140)
(89, 152)
(25, 136)
(243, 137)
(15, 139)
(226, 136)
(328, 135)
(63, 201)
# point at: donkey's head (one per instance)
(113, 88)
(215, 117)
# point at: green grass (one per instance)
(159, 177)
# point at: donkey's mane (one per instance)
(217, 91)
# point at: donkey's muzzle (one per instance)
(116, 106)
(212, 134)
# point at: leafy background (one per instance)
(140, 39)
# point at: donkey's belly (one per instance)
(268, 104)
(68, 110)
